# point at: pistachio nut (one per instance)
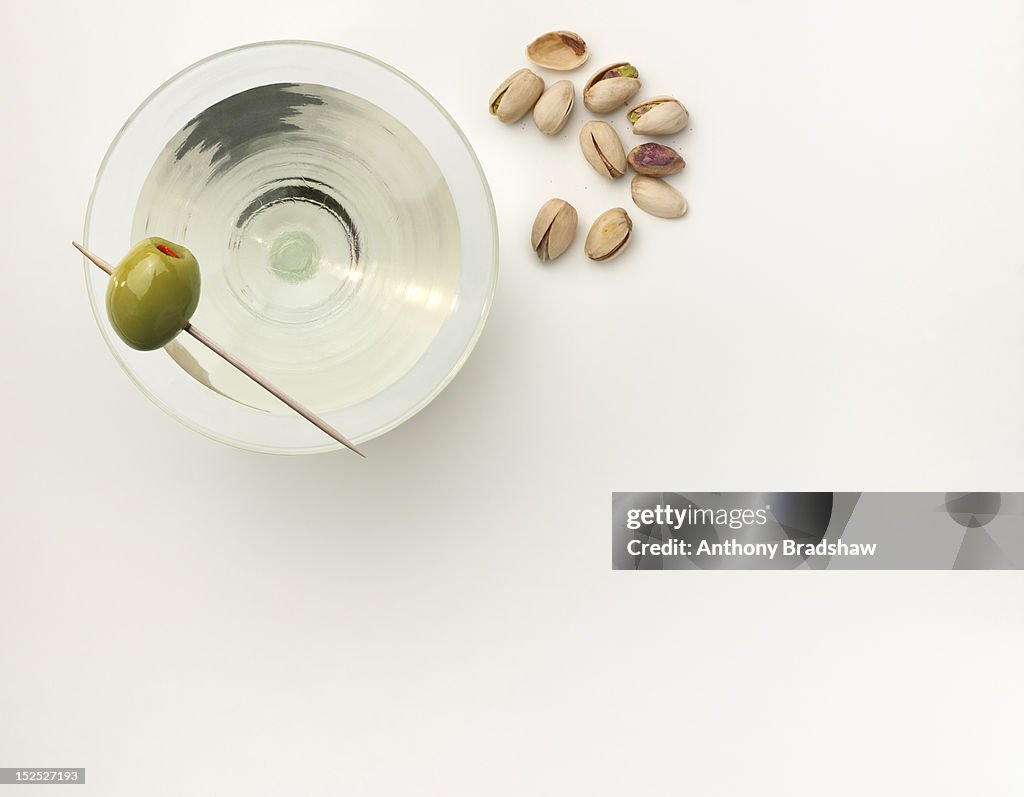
(516, 95)
(653, 195)
(560, 49)
(658, 116)
(655, 160)
(609, 235)
(553, 229)
(554, 106)
(603, 149)
(610, 87)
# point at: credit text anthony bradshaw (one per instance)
(734, 547)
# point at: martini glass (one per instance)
(344, 229)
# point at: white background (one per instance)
(841, 309)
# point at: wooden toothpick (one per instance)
(309, 415)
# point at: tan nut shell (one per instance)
(554, 107)
(653, 195)
(560, 49)
(609, 235)
(667, 116)
(516, 95)
(603, 149)
(553, 229)
(602, 96)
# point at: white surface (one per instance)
(840, 310)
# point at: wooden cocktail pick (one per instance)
(309, 415)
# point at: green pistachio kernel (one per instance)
(636, 113)
(626, 70)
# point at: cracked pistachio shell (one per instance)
(560, 49)
(603, 149)
(609, 235)
(553, 229)
(554, 106)
(606, 91)
(658, 116)
(653, 195)
(655, 160)
(516, 95)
